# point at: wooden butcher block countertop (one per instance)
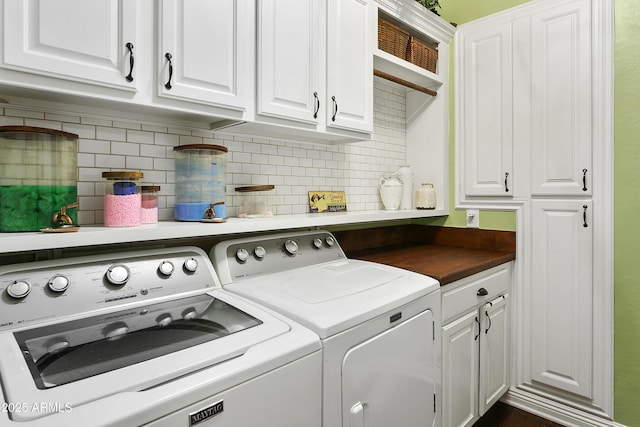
(444, 253)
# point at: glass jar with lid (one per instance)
(255, 201)
(122, 198)
(149, 209)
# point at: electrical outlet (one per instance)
(473, 218)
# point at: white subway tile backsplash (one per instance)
(295, 168)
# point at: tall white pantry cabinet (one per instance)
(534, 134)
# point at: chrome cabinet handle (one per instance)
(315, 112)
(506, 177)
(482, 292)
(335, 109)
(168, 84)
(584, 180)
(129, 76)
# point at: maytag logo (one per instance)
(206, 413)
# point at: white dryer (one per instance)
(379, 325)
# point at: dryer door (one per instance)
(390, 379)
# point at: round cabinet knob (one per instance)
(291, 247)
(164, 320)
(242, 255)
(330, 241)
(259, 252)
(58, 283)
(317, 243)
(19, 289)
(118, 274)
(191, 265)
(166, 268)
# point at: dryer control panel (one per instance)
(240, 259)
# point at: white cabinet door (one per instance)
(561, 297)
(486, 100)
(73, 40)
(460, 353)
(494, 351)
(561, 100)
(349, 66)
(291, 59)
(205, 49)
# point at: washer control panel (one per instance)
(45, 290)
(240, 259)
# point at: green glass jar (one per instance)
(38, 177)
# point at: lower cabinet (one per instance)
(475, 344)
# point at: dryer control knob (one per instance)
(116, 330)
(330, 241)
(317, 243)
(291, 247)
(191, 265)
(118, 274)
(259, 252)
(19, 289)
(58, 283)
(166, 268)
(242, 255)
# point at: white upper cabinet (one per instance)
(88, 42)
(486, 103)
(349, 66)
(204, 52)
(561, 100)
(290, 59)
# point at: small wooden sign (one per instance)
(327, 201)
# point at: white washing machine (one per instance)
(379, 325)
(148, 338)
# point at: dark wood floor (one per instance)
(503, 415)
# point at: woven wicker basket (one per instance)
(422, 55)
(392, 39)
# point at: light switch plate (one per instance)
(473, 218)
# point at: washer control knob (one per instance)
(118, 274)
(189, 314)
(242, 255)
(164, 320)
(19, 289)
(57, 346)
(166, 268)
(330, 241)
(58, 283)
(317, 243)
(291, 247)
(259, 252)
(116, 330)
(191, 265)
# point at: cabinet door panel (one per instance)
(349, 66)
(494, 351)
(561, 97)
(561, 300)
(460, 371)
(209, 43)
(487, 105)
(290, 58)
(71, 39)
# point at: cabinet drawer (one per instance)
(463, 295)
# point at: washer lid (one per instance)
(332, 297)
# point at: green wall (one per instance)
(627, 193)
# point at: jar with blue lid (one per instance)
(201, 193)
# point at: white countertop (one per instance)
(100, 235)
